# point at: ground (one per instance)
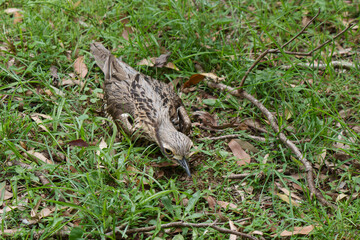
(67, 173)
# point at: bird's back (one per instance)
(147, 100)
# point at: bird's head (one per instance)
(175, 146)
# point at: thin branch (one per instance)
(282, 137)
(335, 64)
(302, 30)
(231, 136)
(315, 49)
(183, 224)
(238, 176)
(262, 55)
(277, 50)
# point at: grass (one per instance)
(94, 189)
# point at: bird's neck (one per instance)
(164, 127)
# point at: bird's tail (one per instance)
(109, 64)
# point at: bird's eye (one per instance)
(168, 151)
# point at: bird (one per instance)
(144, 107)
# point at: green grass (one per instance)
(93, 190)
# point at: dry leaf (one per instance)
(12, 10)
(71, 82)
(234, 228)
(78, 143)
(46, 212)
(196, 78)
(53, 72)
(239, 153)
(8, 195)
(39, 156)
(102, 144)
(206, 118)
(18, 17)
(16, 12)
(76, 4)
(35, 117)
(151, 62)
(147, 62)
(162, 60)
(256, 232)
(193, 80)
(211, 201)
(247, 146)
(127, 30)
(80, 67)
(341, 196)
(286, 198)
(33, 211)
(226, 204)
(297, 230)
(321, 157)
(8, 209)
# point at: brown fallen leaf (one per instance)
(198, 77)
(147, 62)
(211, 201)
(162, 60)
(233, 228)
(206, 118)
(239, 153)
(7, 194)
(16, 12)
(226, 204)
(39, 122)
(8, 209)
(151, 62)
(54, 72)
(247, 146)
(80, 67)
(78, 143)
(127, 30)
(71, 82)
(193, 80)
(39, 156)
(297, 230)
(286, 199)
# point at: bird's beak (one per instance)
(183, 162)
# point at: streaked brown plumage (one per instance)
(145, 107)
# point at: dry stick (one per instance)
(230, 136)
(273, 50)
(183, 224)
(282, 136)
(272, 119)
(315, 49)
(321, 66)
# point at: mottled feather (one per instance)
(155, 112)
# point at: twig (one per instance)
(238, 176)
(335, 64)
(183, 224)
(282, 137)
(36, 235)
(277, 50)
(302, 30)
(231, 136)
